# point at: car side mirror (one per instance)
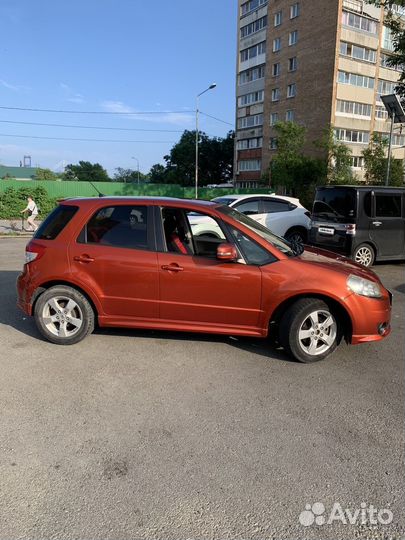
(227, 252)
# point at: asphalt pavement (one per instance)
(158, 435)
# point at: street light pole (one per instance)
(387, 177)
(137, 161)
(197, 112)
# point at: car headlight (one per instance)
(364, 287)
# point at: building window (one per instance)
(289, 116)
(251, 98)
(292, 64)
(253, 27)
(357, 52)
(276, 69)
(249, 165)
(252, 52)
(275, 94)
(357, 162)
(353, 108)
(250, 121)
(386, 87)
(276, 44)
(352, 136)
(398, 140)
(294, 10)
(247, 144)
(291, 90)
(273, 143)
(387, 42)
(385, 63)
(273, 118)
(251, 74)
(278, 18)
(355, 80)
(380, 112)
(358, 22)
(293, 37)
(247, 7)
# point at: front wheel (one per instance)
(309, 331)
(364, 254)
(63, 315)
(296, 236)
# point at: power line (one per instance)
(93, 112)
(86, 140)
(125, 113)
(90, 127)
(218, 119)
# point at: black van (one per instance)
(365, 223)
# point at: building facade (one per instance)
(314, 62)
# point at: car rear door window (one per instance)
(387, 205)
(119, 226)
(249, 208)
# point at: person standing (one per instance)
(32, 210)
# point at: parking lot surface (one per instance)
(141, 434)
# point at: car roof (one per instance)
(237, 197)
(150, 200)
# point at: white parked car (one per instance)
(284, 216)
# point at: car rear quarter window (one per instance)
(272, 206)
(56, 222)
(118, 226)
(387, 205)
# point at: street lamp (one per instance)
(211, 86)
(137, 160)
(397, 116)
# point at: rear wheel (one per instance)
(296, 236)
(309, 331)
(364, 254)
(63, 315)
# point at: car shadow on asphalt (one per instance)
(262, 347)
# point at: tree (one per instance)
(85, 172)
(397, 29)
(375, 162)
(290, 168)
(157, 174)
(339, 159)
(128, 175)
(45, 174)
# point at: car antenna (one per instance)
(98, 191)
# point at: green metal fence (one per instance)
(65, 189)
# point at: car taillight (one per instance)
(33, 252)
(351, 229)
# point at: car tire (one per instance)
(364, 254)
(63, 315)
(296, 236)
(303, 333)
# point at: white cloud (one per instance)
(185, 119)
(13, 87)
(70, 95)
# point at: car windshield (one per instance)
(279, 243)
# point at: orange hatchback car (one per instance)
(136, 263)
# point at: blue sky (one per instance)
(104, 55)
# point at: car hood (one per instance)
(336, 262)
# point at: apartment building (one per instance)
(314, 62)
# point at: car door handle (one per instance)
(172, 268)
(377, 223)
(83, 258)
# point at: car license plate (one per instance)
(326, 230)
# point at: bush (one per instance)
(12, 201)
